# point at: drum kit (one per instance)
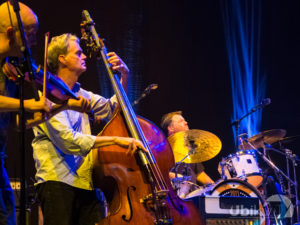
(241, 173)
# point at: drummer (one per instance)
(172, 123)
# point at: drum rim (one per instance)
(240, 154)
(254, 189)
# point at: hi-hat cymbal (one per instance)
(262, 138)
(203, 144)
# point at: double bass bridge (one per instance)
(156, 203)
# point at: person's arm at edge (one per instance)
(8, 104)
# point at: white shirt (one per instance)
(62, 144)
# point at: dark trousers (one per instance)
(63, 204)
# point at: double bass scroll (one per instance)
(138, 189)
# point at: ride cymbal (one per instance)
(288, 139)
(202, 145)
(265, 137)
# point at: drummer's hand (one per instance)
(173, 175)
(81, 105)
(43, 105)
(131, 143)
(117, 63)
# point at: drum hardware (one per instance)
(237, 122)
(223, 163)
(286, 140)
(201, 191)
(205, 145)
(191, 146)
(177, 180)
(293, 158)
(262, 138)
(289, 157)
(180, 184)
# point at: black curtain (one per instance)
(180, 46)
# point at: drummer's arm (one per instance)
(204, 179)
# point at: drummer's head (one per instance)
(10, 36)
(174, 122)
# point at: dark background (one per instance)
(180, 46)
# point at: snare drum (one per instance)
(185, 188)
(236, 187)
(242, 165)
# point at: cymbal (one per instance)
(265, 137)
(203, 144)
(287, 140)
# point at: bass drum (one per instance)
(236, 187)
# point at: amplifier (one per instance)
(223, 210)
(31, 210)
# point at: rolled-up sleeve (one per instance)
(101, 106)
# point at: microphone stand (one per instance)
(144, 94)
(237, 122)
(27, 55)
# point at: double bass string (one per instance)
(135, 131)
(89, 31)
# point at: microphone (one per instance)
(150, 88)
(264, 103)
(145, 93)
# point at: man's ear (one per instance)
(61, 59)
(10, 32)
(170, 129)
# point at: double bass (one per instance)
(138, 188)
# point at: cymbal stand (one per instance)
(292, 157)
(287, 153)
(271, 164)
(176, 180)
(192, 151)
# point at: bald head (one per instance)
(9, 31)
(8, 16)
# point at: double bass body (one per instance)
(125, 187)
(138, 189)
